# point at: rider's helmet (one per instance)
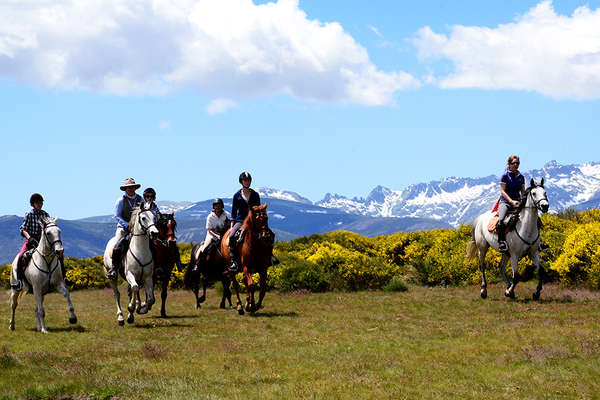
(218, 201)
(245, 175)
(35, 198)
(150, 192)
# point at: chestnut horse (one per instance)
(256, 250)
(167, 254)
(211, 265)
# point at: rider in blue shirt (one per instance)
(512, 185)
(242, 201)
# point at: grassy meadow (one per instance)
(428, 342)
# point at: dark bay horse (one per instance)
(256, 251)
(166, 255)
(209, 264)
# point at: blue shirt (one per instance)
(239, 207)
(119, 210)
(514, 183)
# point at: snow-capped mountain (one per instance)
(459, 200)
(166, 206)
(282, 195)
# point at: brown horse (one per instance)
(166, 255)
(256, 250)
(211, 265)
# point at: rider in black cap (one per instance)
(242, 201)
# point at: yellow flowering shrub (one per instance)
(580, 258)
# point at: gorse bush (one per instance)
(343, 260)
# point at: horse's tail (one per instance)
(471, 250)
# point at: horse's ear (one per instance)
(265, 206)
(55, 220)
(172, 212)
(542, 182)
(532, 183)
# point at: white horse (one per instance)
(42, 274)
(523, 240)
(138, 262)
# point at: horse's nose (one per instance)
(59, 252)
(172, 243)
(545, 208)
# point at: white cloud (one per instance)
(375, 31)
(219, 106)
(223, 48)
(541, 51)
(164, 125)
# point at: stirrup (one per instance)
(111, 274)
(503, 246)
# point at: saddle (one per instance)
(510, 221)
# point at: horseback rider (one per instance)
(31, 230)
(216, 223)
(242, 201)
(150, 198)
(123, 210)
(512, 186)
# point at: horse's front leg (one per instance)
(114, 284)
(514, 264)
(14, 301)
(62, 288)
(502, 267)
(202, 298)
(163, 297)
(263, 289)
(226, 294)
(236, 288)
(40, 313)
(250, 288)
(535, 258)
(149, 289)
(133, 295)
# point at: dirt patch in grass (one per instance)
(154, 351)
(535, 352)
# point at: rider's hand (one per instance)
(515, 203)
(33, 242)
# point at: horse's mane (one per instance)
(134, 217)
(524, 197)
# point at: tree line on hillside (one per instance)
(347, 261)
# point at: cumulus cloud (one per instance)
(223, 48)
(540, 51)
(219, 106)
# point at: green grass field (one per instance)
(424, 343)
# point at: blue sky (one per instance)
(309, 96)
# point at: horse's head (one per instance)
(145, 221)
(537, 197)
(260, 222)
(166, 228)
(51, 232)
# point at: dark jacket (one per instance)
(239, 208)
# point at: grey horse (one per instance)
(43, 273)
(523, 240)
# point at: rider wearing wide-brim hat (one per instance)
(242, 201)
(123, 209)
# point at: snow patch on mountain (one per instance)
(282, 195)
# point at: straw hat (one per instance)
(130, 182)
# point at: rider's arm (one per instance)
(234, 210)
(27, 221)
(118, 210)
(506, 196)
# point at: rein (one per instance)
(49, 271)
(145, 233)
(536, 205)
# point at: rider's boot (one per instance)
(20, 270)
(116, 264)
(235, 258)
(502, 245)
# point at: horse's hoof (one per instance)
(11, 327)
(201, 299)
(143, 310)
(121, 322)
(240, 311)
(222, 306)
(130, 319)
(197, 306)
(73, 320)
(231, 307)
(536, 296)
(483, 294)
(163, 314)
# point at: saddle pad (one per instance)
(492, 224)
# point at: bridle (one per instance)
(536, 205)
(145, 232)
(49, 271)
